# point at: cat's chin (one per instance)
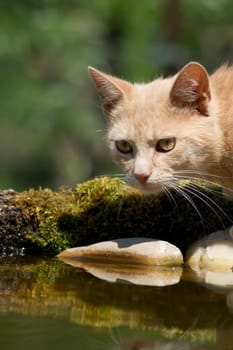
(148, 189)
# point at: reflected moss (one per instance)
(39, 288)
(97, 301)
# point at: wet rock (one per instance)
(212, 253)
(138, 261)
(130, 251)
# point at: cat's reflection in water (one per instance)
(148, 344)
(141, 342)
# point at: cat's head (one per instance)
(158, 131)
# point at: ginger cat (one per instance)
(172, 129)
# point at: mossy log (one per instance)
(43, 221)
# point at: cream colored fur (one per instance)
(193, 108)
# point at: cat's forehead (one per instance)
(141, 128)
(140, 131)
(148, 114)
(149, 101)
(145, 114)
(155, 93)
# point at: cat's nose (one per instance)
(142, 178)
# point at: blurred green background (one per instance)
(51, 125)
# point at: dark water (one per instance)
(46, 304)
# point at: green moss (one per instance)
(105, 208)
(42, 208)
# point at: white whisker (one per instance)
(169, 194)
(194, 178)
(198, 172)
(181, 191)
(193, 187)
(207, 189)
(120, 176)
(197, 195)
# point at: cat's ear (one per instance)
(191, 88)
(111, 90)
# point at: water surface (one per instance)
(46, 304)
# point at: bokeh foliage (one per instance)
(50, 115)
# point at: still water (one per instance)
(46, 304)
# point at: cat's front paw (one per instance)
(213, 252)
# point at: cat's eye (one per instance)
(166, 145)
(124, 147)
